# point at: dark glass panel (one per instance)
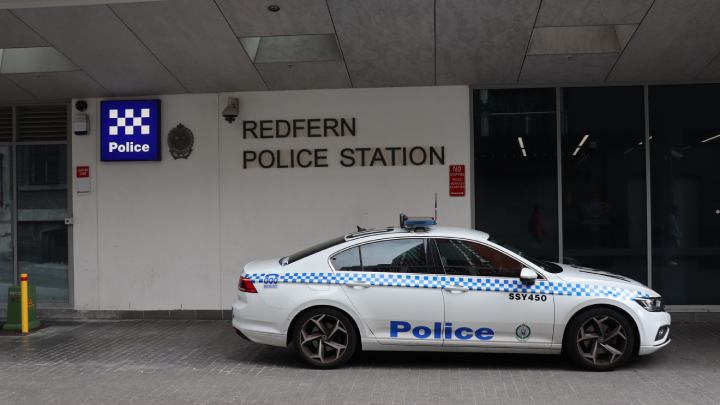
(603, 175)
(6, 246)
(42, 209)
(515, 143)
(685, 163)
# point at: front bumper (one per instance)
(650, 323)
(652, 349)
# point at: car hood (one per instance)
(578, 274)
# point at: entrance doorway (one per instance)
(35, 199)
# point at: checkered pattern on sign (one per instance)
(473, 283)
(132, 122)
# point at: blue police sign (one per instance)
(130, 130)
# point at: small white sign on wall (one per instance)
(82, 180)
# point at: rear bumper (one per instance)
(242, 335)
(259, 323)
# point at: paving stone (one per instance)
(205, 362)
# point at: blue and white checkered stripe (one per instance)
(473, 283)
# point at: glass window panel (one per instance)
(42, 208)
(603, 176)
(348, 260)
(684, 151)
(515, 143)
(395, 256)
(473, 259)
(6, 246)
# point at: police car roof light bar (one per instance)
(416, 222)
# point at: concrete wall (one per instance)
(175, 234)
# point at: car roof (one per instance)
(436, 231)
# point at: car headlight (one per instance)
(651, 304)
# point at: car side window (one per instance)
(465, 258)
(395, 256)
(348, 260)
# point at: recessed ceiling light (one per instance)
(274, 9)
(34, 60)
(292, 48)
(710, 139)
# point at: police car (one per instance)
(420, 287)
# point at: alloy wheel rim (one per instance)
(602, 340)
(324, 338)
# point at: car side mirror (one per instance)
(528, 276)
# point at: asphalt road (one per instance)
(204, 362)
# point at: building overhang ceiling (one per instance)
(60, 49)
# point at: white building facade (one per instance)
(175, 234)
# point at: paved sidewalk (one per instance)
(204, 362)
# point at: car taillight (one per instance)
(245, 285)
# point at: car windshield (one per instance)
(314, 249)
(547, 266)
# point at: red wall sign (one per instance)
(82, 180)
(457, 180)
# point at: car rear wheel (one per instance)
(324, 338)
(599, 339)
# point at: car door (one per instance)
(486, 304)
(394, 287)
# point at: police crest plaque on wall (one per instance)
(180, 140)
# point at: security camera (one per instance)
(231, 111)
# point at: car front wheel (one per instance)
(599, 339)
(324, 338)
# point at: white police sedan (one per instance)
(423, 288)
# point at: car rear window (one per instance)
(314, 249)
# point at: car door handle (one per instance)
(457, 289)
(358, 285)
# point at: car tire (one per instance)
(324, 338)
(599, 339)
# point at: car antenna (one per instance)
(436, 217)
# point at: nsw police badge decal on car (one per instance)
(522, 333)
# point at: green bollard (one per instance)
(14, 317)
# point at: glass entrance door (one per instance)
(34, 200)
(41, 211)
(7, 267)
